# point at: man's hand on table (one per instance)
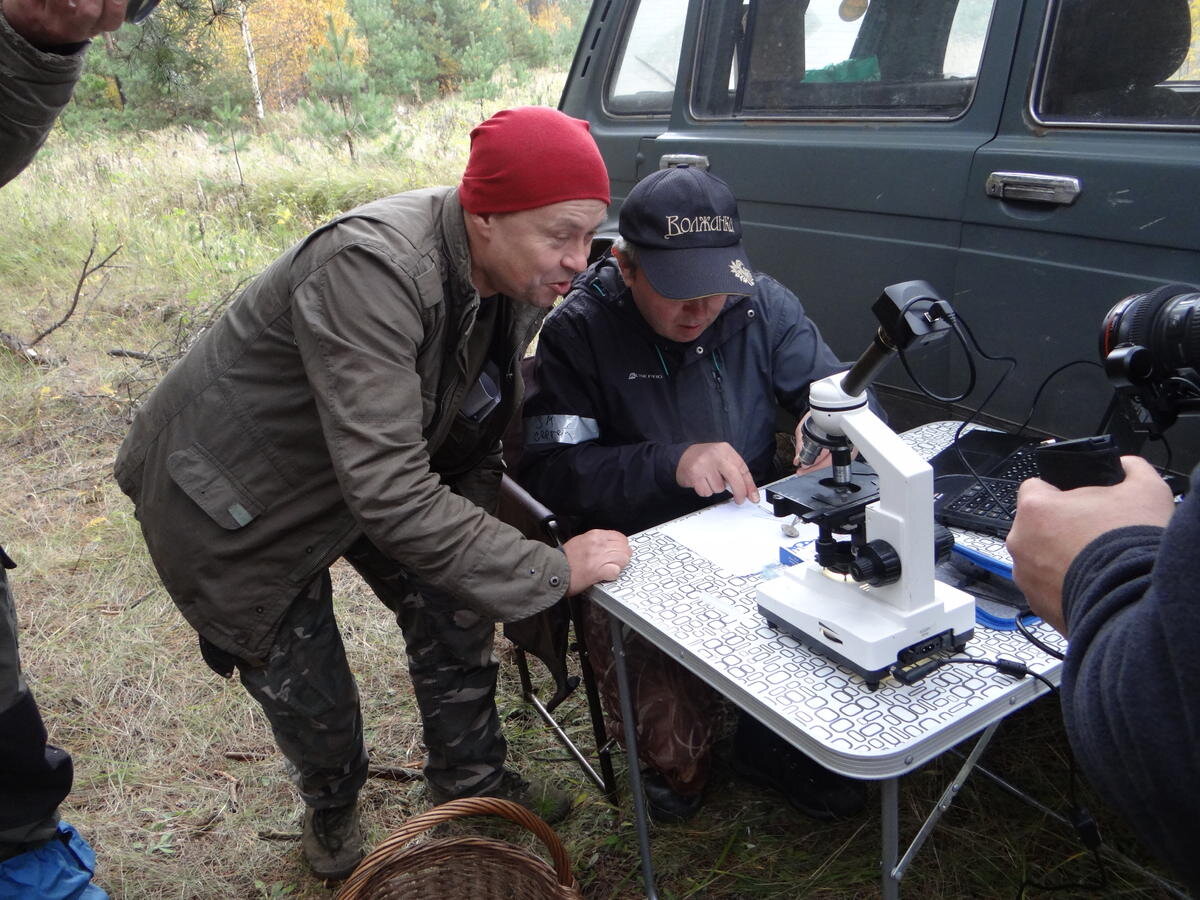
(709, 469)
(595, 556)
(1051, 527)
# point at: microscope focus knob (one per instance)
(876, 563)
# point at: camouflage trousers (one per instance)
(677, 716)
(310, 697)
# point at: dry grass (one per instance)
(115, 668)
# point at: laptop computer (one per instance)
(984, 501)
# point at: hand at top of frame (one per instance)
(53, 23)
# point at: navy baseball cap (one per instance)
(684, 223)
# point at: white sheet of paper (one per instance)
(739, 539)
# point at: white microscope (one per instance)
(870, 602)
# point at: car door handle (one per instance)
(695, 160)
(1059, 189)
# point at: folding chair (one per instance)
(546, 635)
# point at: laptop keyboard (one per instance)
(1021, 465)
(976, 501)
(975, 507)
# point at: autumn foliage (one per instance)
(286, 35)
(193, 55)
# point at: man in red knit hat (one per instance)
(350, 405)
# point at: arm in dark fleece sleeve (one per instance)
(1131, 682)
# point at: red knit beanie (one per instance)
(531, 156)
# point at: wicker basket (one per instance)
(458, 868)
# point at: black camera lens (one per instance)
(1156, 333)
(137, 11)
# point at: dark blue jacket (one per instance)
(1131, 682)
(613, 405)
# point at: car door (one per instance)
(1086, 194)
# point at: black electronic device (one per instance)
(976, 480)
(984, 498)
(1084, 461)
(1150, 345)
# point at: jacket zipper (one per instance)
(719, 381)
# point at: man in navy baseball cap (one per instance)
(656, 387)
(685, 225)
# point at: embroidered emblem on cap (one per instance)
(740, 272)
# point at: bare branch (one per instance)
(131, 354)
(86, 271)
(395, 773)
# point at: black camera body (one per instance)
(1150, 346)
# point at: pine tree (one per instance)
(420, 48)
(399, 60)
(345, 106)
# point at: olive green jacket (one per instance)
(34, 87)
(322, 406)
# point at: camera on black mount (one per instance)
(1150, 345)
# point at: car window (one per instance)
(1106, 62)
(644, 78)
(841, 58)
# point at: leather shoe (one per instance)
(332, 840)
(667, 807)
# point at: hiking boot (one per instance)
(332, 840)
(767, 760)
(667, 806)
(544, 798)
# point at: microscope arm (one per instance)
(903, 516)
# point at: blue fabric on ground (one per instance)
(60, 869)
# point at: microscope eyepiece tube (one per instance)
(868, 366)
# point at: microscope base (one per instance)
(842, 621)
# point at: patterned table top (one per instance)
(708, 619)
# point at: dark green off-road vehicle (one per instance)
(1035, 160)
